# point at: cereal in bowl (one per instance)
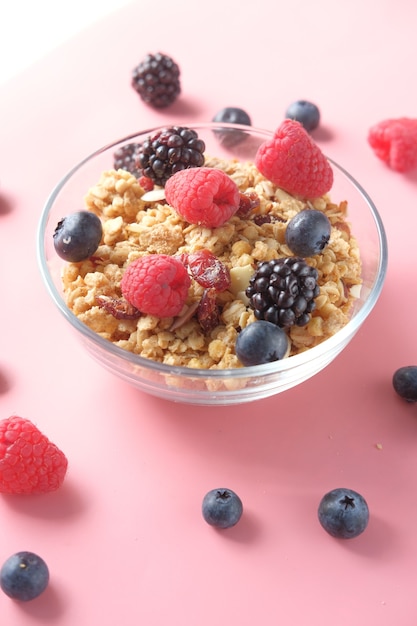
(183, 268)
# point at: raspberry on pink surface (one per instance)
(394, 141)
(294, 162)
(156, 284)
(203, 196)
(29, 462)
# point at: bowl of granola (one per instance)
(212, 263)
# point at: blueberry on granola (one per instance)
(77, 236)
(308, 232)
(222, 508)
(261, 342)
(283, 291)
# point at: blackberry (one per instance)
(156, 79)
(125, 158)
(168, 151)
(282, 291)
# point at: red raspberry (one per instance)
(394, 141)
(156, 284)
(294, 162)
(146, 183)
(29, 462)
(203, 195)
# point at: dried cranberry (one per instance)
(208, 311)
(248, 202)
(208, 270)
(119, 308)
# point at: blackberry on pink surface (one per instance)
(157, 80)
(283, 291)
(168, 151)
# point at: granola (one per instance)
(136, 223)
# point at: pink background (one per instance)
(124, 538)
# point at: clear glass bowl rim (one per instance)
(257, 370)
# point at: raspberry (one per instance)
(204, 196)
(394, 141)
(156, 284)
(146, 183)
(294, 162)
(156, 79)
(29, 462)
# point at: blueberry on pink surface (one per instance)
(222, 508)
(404, 382)
(343, 513)
(305, 112)
(24, 576)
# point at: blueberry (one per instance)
(77, 236)
(222, 508)
(261, 342)
(304, 112)
(231, 115)
(24, 576)
(343, 513)
(308, 233)
(405, 382)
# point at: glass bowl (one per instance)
(210, 386)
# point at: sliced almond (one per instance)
(155, 195)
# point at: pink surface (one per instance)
(124, 538)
